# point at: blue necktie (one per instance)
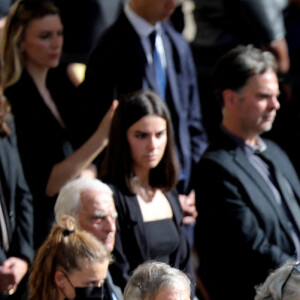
(160, 72)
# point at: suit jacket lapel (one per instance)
(150, 77)
(134, 45)
(135, 217)
(289, 195)
(256, 177)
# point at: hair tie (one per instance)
(67, 232)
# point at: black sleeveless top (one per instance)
(163, 239)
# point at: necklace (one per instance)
(146, 193)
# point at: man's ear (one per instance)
(230, 97)
(59, 278)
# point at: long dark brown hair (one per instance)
(117, 165)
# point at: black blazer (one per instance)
(118, 66)
(131, 247)
(42, 141)
(111, 288)
(17, 198)
(241, 234)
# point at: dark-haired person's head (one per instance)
(235, 68)
(137, 115)
(247, 85)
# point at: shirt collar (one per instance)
(141, 26)
(248, 149)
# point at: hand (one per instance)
(76, 73)
(89, 172)
(104, 126)
(189, 208)
(12, 271)
(2, 23)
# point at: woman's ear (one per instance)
(59, 278)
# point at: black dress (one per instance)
(132, 246)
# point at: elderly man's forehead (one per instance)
(98, 195)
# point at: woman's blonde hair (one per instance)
(21, 14)
(4, 110)
(63, 249)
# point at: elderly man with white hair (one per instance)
(91, 203)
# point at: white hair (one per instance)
(151, 277)
(68, 200)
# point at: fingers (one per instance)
(113, 108)
(9, 291)
(7, 281)
(188, 220)
(115, 104)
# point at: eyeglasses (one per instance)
(296, 267)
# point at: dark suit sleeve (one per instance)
(96, 93)
(22, 240)
(265, 20)
(231, 226)
(199, 140)
(19, 200)
(181, 258)
(120, 268)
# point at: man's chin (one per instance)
(109, 246)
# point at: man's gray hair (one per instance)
(282, 284)
(68, 199)
(151, 277)
(233, 69)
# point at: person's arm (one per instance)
(21, 244)
(265, 20)
(73, 165)
(12, 272)
(188, 205)
(2, 23)
(198, 135)
(280, 49)
(15, 263)
(120, 268)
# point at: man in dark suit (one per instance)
(16, 215)
(122, 62)
(247, 189)
(84, 21)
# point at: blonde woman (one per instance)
(42, 100)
